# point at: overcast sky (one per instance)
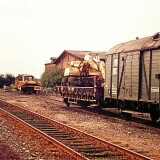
(32, 31)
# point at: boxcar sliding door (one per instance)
(128, 76)
(111, 76)
(154, 70)
(145, 73)
(108, 79)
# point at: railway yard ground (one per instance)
(18, 143)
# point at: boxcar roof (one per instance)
(137, 45)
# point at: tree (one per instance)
(9, 79)
(6, 80)
(51, 77)
(1, 80)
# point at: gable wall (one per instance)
(65, 59)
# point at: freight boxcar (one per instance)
(132, 81)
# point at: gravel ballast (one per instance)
(143, 140)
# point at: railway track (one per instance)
(136, 121)
(76, 144)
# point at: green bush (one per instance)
(51, 77)
(9, 79)
(1, 80)
(6, 80)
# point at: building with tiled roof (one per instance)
(71, 55)
(50, 64)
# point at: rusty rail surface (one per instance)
(77, 144)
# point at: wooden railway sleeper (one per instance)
(106, 156)
(59, 136)
(45, 127)
(80, 144)
(75, 140)
(67, 139)
(42, 125)
(85, 151)
(89, 150)
(55, 132)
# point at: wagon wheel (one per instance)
(19, 88)
(84, 105)
(154, 113)
(126, 116)
(64, 81)
(71, 81)
(121, 107)
(34, 92)
(65, 100)
(98, 108)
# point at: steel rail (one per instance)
(56, 143)
(99, 141)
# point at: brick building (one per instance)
(50, 64)
(72, 55)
